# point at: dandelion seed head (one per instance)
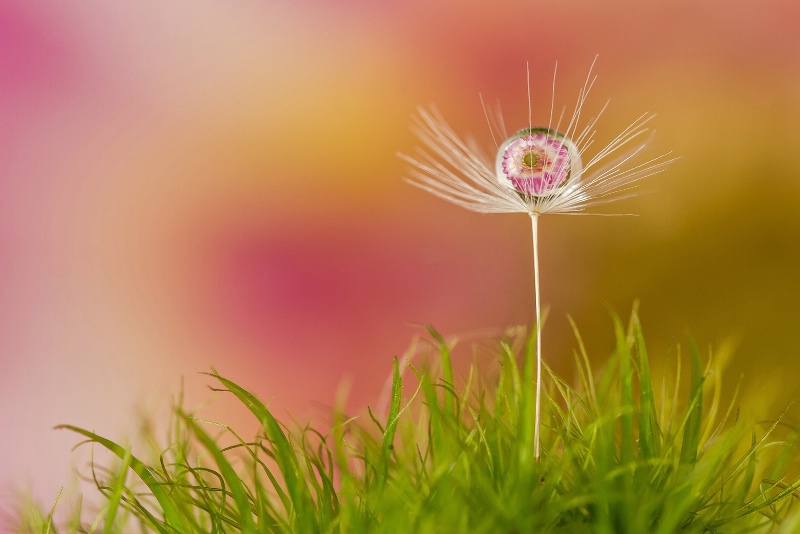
(536, 170)
(537, 161)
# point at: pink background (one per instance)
(216, 183)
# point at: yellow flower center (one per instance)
(530, 159)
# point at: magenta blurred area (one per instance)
(213, 183)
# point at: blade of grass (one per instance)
(691, 432)
(754, 506)
(284, 454)
(387, 440)
(171, 512)
(116, 494)
(447, 369)
(623, 355)
(234, 482)
(52, 511)
(750, 472)
(649, 442)
(525, 422)
(584, 366)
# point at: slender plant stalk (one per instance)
(538, 320)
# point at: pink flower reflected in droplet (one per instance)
(536, 163)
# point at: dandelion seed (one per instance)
(537, 170)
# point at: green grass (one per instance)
(621, 453)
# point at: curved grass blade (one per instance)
(52, 511)
(171, 512)
(229, 474)
(284, 454)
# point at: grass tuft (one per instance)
(620, 454)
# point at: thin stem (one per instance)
(537, 420)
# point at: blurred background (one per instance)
(217, 183)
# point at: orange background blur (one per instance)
(216, 183)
